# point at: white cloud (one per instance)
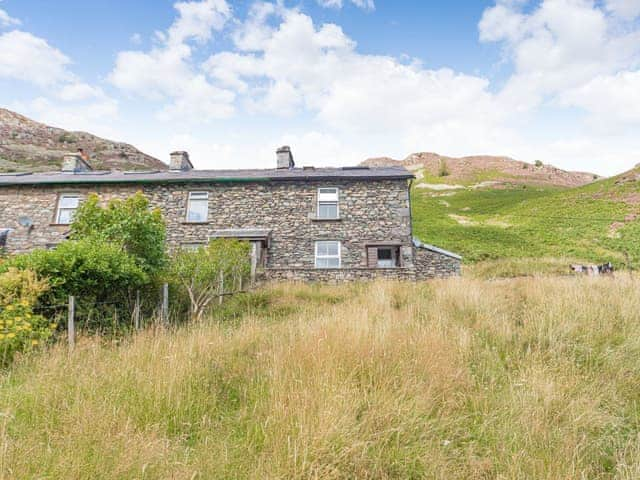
(608, 98)
(301, 67)
(31, 59)
(78, 91)
(364, 4)
(136, 39)
(627, 9)
(6, 20)
(559, 46)
(166, 72)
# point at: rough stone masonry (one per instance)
(277, 210)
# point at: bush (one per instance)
(538, 163)
(21, 330)
(21, 286)
(196, 273)
(129, 223)
(96, 272)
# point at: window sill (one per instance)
(316, 219)
(59, 224)
(186, 222)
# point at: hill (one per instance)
(459, 379)
(432, 168)
(29, 145)
(597, 222)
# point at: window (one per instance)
(328, 203)
(383, 256)
(198, 207)
(328, 254)
(67, 206)
(386, 258)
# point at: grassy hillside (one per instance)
(597, 222)
(528, 378)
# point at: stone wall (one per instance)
(430, 264)
(370, 211)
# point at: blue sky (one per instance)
(338, 80)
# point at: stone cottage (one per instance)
(323, 224)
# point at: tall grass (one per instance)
(531, 378)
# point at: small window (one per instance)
(383, 256)
(386, 257)
(198, 207)
(328, 203)
(67, 206)
(328, 254)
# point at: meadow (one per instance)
(451, 379)
(594, 223)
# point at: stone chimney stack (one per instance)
(285, 157)
(180, 162)
(74, 163)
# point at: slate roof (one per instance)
(193, 176)
(418, 244)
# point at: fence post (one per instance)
(71, 327)
(165, 303)
(221, 287)
(136, 311)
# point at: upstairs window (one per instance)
(67, 206)
(328, 254)
(198, 207)
(328, 203)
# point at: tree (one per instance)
(130, 223)
(198, 272)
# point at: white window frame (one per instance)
(204, 197)
(392, 262)
(321, 200)
(61, 209)
(339, 256)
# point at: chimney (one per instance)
(74, 163)
(285, 157)
(180, 162)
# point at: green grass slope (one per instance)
(597, 222)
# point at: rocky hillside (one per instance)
(487, 170)
(33, 146)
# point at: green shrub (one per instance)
(99, 274)
(196, 274)
(21, 330)
(21, 286)
(129, 223)
(538, 163)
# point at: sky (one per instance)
(337, 80)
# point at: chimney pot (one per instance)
(285, 157)
(180, 162)
(74, 163)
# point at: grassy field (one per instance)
(592, 223)
(471, 379)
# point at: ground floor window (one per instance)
(383, 256)
(328, 254)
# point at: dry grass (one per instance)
(529, 378)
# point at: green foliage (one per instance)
(484, 224)
(21, 286)
(130, 223)
(66, 138)
(94, 271)
(538, 163)
(196, 274)
(21, 330)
